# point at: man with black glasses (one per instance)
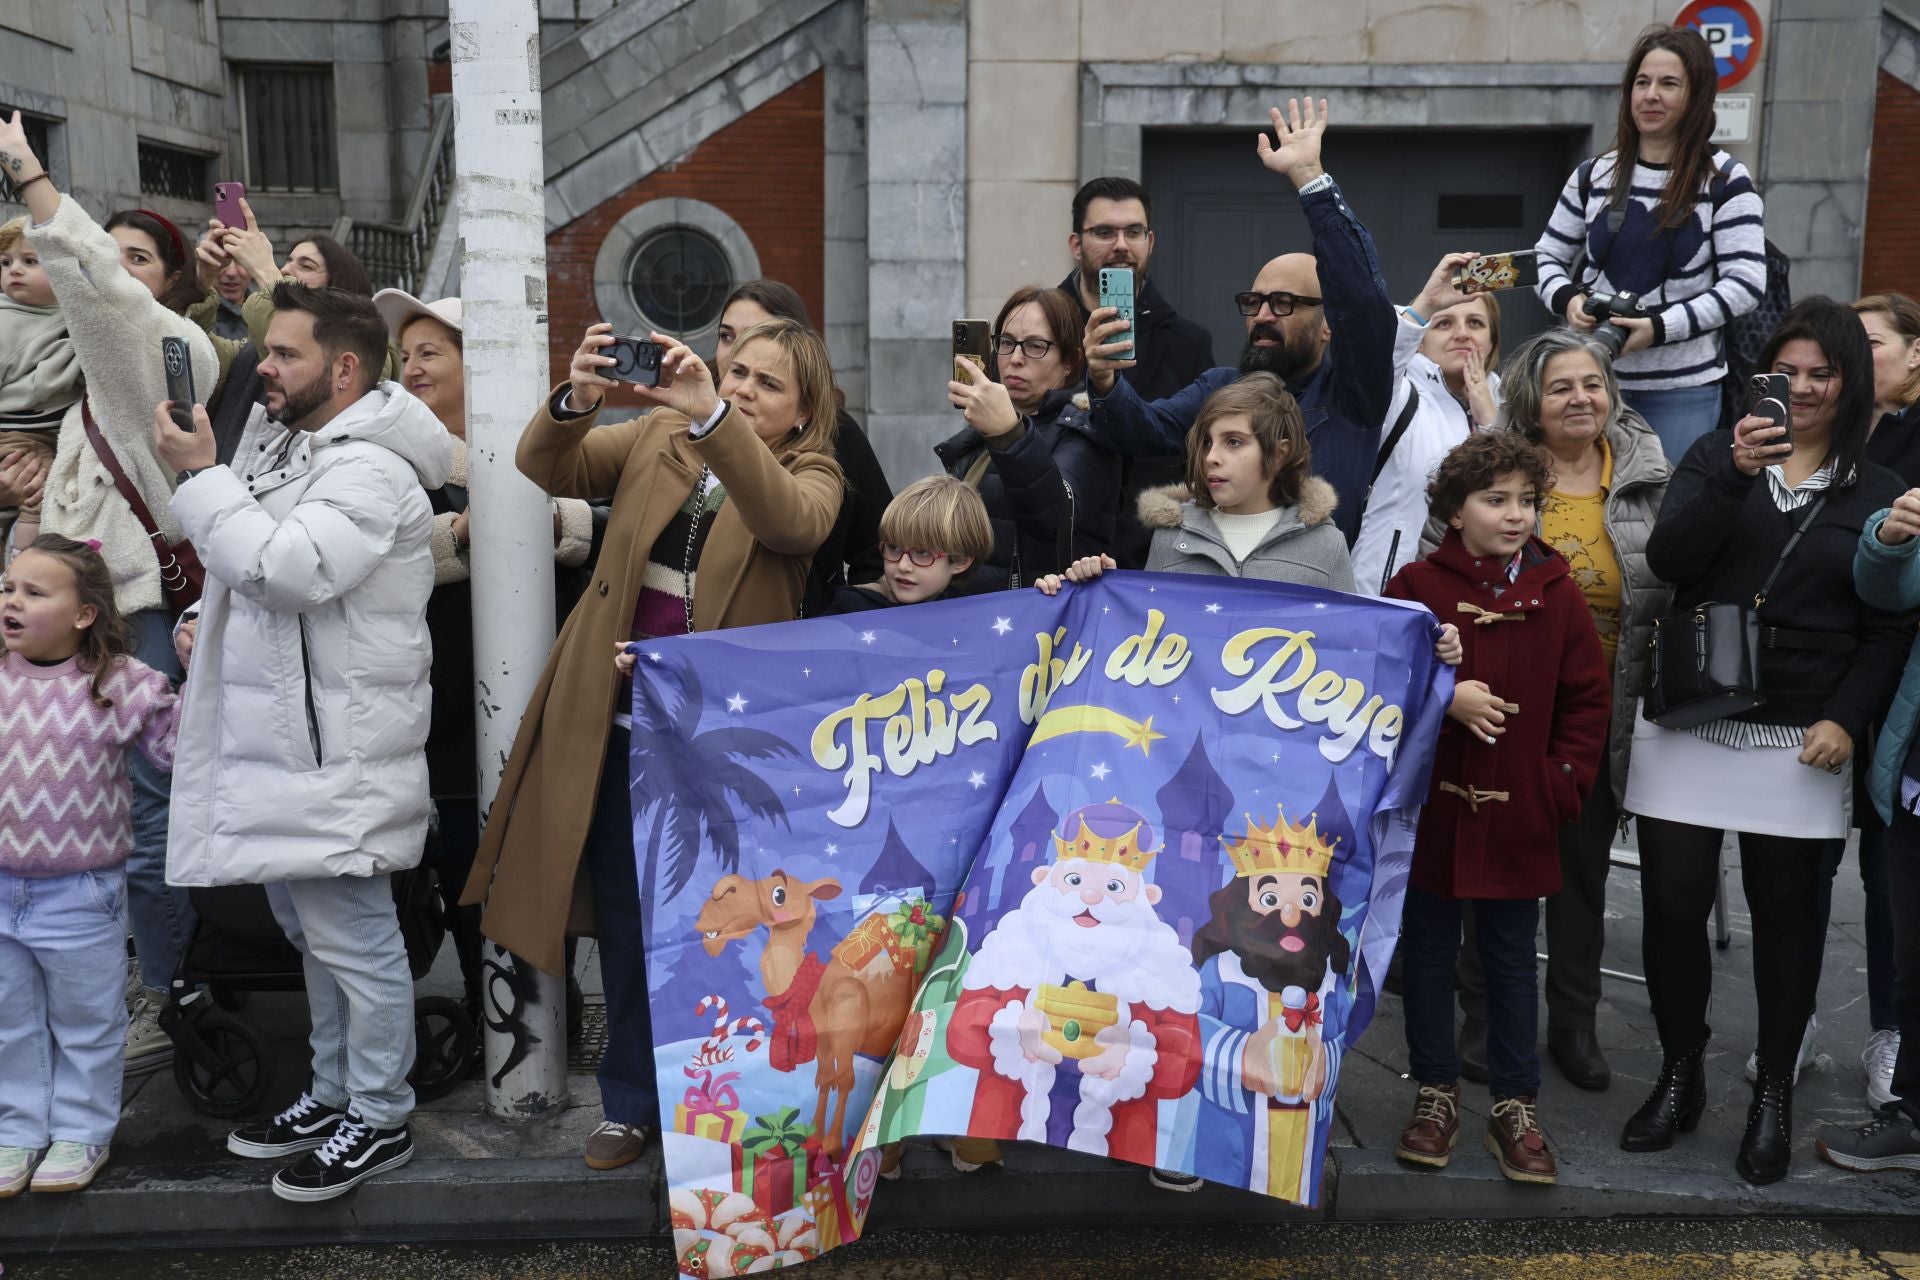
(1298, 303)
(1113, 227)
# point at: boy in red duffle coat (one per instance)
(1515, 761)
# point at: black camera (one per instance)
(636, 360)
(1611, 306)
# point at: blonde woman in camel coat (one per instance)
(766, 438)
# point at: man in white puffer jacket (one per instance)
(302, 760)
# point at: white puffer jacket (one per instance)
(306, 707)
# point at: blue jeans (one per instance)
(63, 1013)
(161, 915)
(629, 1093)
(1678, 415)
(359, 991)
(1430, 947)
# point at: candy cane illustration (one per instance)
(755, 1031)
(715, 1050)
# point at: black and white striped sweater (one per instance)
(1694, 278)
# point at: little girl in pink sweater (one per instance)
(71, 703)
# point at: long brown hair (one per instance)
(1692, 161)
(107, 641)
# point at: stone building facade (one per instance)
(906, 162)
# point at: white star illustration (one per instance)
(832, 849)
(1106, 608)
(807, 672)
(1320, 606)
(866, 637)
(1002, 625)
(956, 642)
(1276, 757)
(1153, 591)
(736, 704)
(653, 656)
(796, 791)
(1213, 608)
(1176, 699)
(1100, 771)
(976, 779)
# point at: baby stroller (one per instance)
(222, 1061)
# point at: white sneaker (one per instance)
(16, 1169)
(1883, 1047)
(1805, 1056)
(69, 1166)
(148, 1047)
(1173, 1180)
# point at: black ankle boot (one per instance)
(1766, 1148)
(1674, 1106)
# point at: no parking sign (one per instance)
(1732, 30)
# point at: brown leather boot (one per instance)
(1513, 1135)
(1429, 1137)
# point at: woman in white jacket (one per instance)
(120, 291)
(1444, 353)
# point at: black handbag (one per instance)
(1706, 660)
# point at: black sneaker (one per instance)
(1173, 1180)
(1888, 1141)
(355, 1152)
(301, 1127)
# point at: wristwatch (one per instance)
(182, 477)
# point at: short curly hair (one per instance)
(1478, 462)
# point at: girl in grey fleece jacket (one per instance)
(1251, 507)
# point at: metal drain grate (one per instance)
(585, 1050)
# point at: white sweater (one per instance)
(116, 326)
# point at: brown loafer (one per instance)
(1429, 1137)
(1513, 1135)
(612, 1145)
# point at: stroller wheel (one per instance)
(229, 1072)
(445, 1044)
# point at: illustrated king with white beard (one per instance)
(1079, 1010)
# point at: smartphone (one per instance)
(637, 360)
(226, 203)
(1770, 396)
(972, 344)
(1492, 272)
(1116, 291)
(173, 355)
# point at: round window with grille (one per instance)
(679, 277)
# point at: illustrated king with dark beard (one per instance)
(1273, 1007)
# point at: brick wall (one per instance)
(1891, 258)
(765, 171)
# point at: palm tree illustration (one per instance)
(691, 781)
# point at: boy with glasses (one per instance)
(931, 536)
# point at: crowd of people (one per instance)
(238, 643)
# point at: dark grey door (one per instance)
(1219, 214)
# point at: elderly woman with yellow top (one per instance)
(1609, 477)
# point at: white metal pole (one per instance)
(500, 200)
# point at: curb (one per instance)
(558, 1198)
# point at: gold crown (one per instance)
(1122, 849)
(1283, 846)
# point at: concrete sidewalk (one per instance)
(172, 1182)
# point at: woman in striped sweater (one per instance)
(1667, 217)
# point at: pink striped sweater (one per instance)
(63, 771)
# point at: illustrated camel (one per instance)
(848, 1012)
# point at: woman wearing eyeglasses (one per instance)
(1050, 487)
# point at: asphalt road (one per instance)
(1743, 1249)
